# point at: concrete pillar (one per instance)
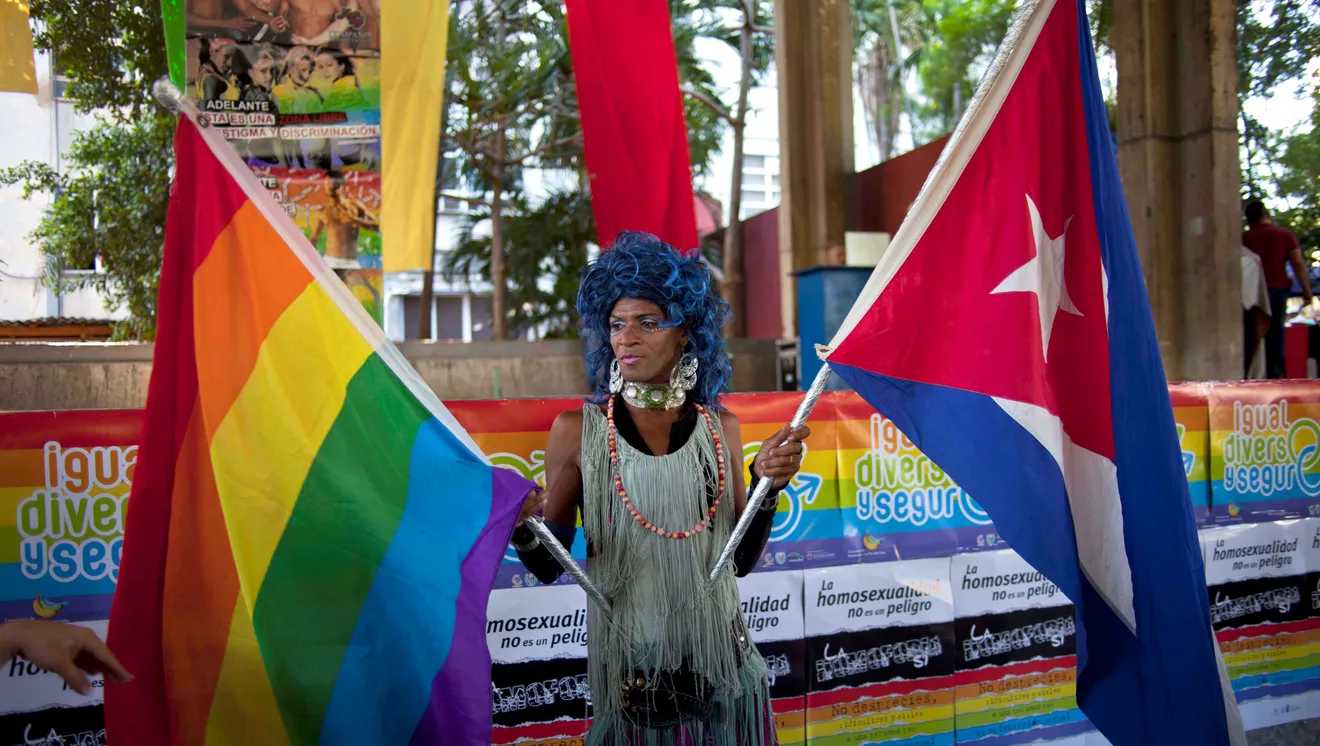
(1178, 154)
(813, 60)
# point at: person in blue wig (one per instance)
(653, 464)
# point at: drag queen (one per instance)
(653, 465)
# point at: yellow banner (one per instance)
(414, 36)
(18, 69)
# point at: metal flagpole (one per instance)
(763, 486)
(566, 561)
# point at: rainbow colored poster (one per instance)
(880, 654)
(1016, 657)
(895, 502)
(1264, 451)
(1260, 610)
(772, 608)
(1191, 412)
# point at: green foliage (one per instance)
(525, 88)
(110, 50)
(111, 200)
(1274, 47)
(946, 43)
(1298, 182)
(966, 34)
(111, 203)
(545, 244)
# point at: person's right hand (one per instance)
(65, 649)
(241, 24)
(533, 503)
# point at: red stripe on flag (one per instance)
(632, 119)
(202, 201)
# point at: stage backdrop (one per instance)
(872, 552)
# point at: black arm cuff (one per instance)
(748, 552)
(538, 560)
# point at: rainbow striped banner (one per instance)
(1017, 666)
(64, 480)
(1191, 412)
(1262, 605)
(313, 536)
(1264, 451)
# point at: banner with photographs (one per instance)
(1261, 611)
(294, 86)
(880, 654)
(772, 609)
(1017, 647)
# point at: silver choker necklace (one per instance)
(653, 396)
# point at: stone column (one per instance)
(1178, 154)
(813, 61)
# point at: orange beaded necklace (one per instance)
(623, 494)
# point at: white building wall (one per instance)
(37, 128)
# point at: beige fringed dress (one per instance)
(668, 621)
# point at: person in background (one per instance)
(1277, 248)
(68, 650)
(836, 255)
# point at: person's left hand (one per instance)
(780, 456)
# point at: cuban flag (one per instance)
(1006, 331)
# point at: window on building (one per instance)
(481, 319)
(760, 190)
(449, 318)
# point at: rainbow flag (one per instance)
(311, 537)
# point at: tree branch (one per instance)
(711, 104)
(471, 200)
(763, 29)
(564, 142)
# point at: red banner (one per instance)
(632, 119)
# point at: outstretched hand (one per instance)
(780, 456)
(65, 649)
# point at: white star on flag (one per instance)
(1042, 275)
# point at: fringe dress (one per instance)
(666, 613)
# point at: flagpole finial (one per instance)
(167, 95)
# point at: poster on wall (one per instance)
(807, 531)
(1191, 414)
(538, 648)
(1310, 543)
(895, 502)
(64, 484)
(1260, 610)
(772, 609)
(1264, 451)
(295, 89)
(880, 654)
(1016, 658)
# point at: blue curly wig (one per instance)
(642, 266)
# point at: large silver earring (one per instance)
(616, 377)
(684, 376)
